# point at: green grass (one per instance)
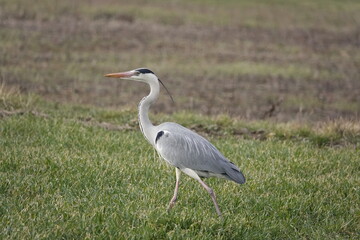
(253, 13)
(61, 178)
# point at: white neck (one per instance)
(147, 128)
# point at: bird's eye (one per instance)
(136, 73)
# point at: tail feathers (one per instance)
(234, 174)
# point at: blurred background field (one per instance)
(279, 60)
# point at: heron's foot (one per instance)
(172, 203)
(213, 197)
(219, 212)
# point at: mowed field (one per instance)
(273, 84)
(72, 172)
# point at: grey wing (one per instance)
(184, 148)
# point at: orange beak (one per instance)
(120, 74)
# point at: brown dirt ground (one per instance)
(63, 59)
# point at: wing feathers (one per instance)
(184, 148)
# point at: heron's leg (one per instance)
(174, 198)
(212, 195)
(194, 175)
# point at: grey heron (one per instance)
(180, 147)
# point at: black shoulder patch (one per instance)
(144, 70)
(158, 136)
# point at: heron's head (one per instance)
(140, 75)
